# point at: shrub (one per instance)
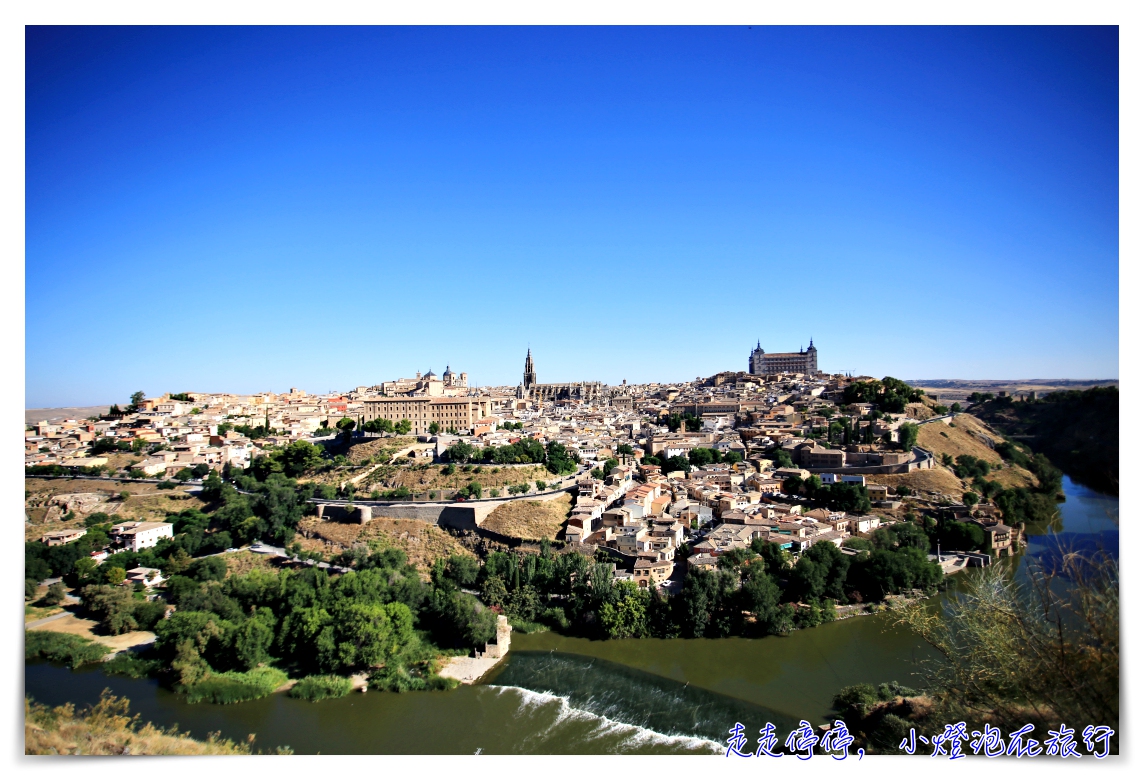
(554, 617)
(131, 665)
(147, 614)
(55, 594)
(63, 648)
(527, 626)
(321, 686)
(399, 679)
(232, 687)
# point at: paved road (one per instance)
(186, 484)
(942, 417)
(42, 621)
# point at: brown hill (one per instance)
(534, 520)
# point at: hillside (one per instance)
(963, 435)
(144, 502)
(421, 542)
(530, 519)
(1079, 431)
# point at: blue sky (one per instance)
(244, 209)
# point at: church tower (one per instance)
(812, 358)
(529, 373)
(755, 362)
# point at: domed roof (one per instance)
(447, 372)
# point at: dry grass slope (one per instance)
(421, 542)
(107, 729)
(489, 477)
(145, 502)
(960, 438)
(965, 437)
(244, 562)
(938, 479)
(533, 520)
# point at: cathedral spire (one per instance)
(529, 371)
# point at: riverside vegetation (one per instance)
(1077, 429)
(107, 728)
(1045, 651)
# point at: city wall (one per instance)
(454, 515)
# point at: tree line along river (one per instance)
(559, 694)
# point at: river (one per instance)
(558, 694)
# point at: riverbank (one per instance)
(469, 670)
(555, 694)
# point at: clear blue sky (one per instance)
(244, 209)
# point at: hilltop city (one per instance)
(752, 502)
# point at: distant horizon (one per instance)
(322, 392)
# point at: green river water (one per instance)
(558, 694)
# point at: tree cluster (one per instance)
(850, 497)
(888, 395)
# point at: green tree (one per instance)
(781, 458)
(112, 605)
(559, 460)
(676, 463)
(807, 579)
(960, 536)
(403, 427)
(346, 427)
(625, 616)
(910, 535)
(177, 562)
(907, 436)
(300, 456)
(85, 571)
(760, 595)
(55, 594)
(251, 643)
(459, 452)
(475, 623)
(494, 591)
(969, 498)
(207, 569)
(434, 428)
(136, 401)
